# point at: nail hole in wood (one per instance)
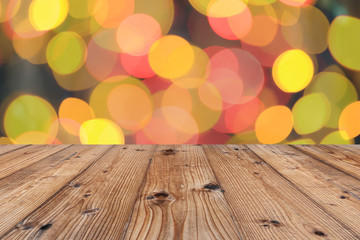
(46, 227)
(265, 225)
(77, 185)
(78, 157)
(236, 149)
(342, 197)
(319, 233)
(140, 150)
(105, 171)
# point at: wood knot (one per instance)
(150, 197)
(87, 194)
(169, 152)
(319, 233)
(268, 223)
(212, 186)
(105, 171)
(161, 195)
(124, 147)
(27, 226)
(91, 211)
(275, 223)
(46, 227)
(160, 198)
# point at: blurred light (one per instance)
(137, 33)
(349, 121)
(339, 91)
(171, 56)
(293, 71)
(311, 113)
(274, 125)
(344, 38)
(101, 131)
(335, 138)
(129, 106)
(30, 119)
(72, 113)
(310, 31)
(110, 13)
(66, 52)
(48, 14)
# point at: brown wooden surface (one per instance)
(180, 192)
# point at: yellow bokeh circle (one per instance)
(293, 70)
(48, 14)
(101, 131)
(171, 57)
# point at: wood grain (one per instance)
(95, 205)
(266, 205)
(24, 191)
(181, 199)
(335, 159)
(333, 190)
(10, 148)
(184, 192)
(19, 158)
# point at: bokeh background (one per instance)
(179, 71)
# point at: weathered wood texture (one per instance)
(181, 199)
(180, 192)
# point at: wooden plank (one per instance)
(13, 161)
(351, 147)
(265, 204)
(333, 190)
(181, 199)
(348, 165)
(95, 205)
(343, 152)
(10, 148)
(25, 190)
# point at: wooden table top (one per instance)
(180, 192)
